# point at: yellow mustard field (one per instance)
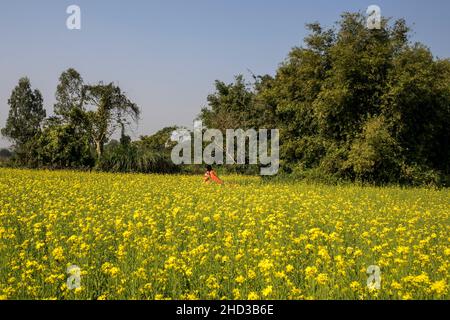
(72, 235)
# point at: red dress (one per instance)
(211, 175)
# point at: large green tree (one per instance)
(63, 145)
(351, 103)
(230, 106)
(25, 117)
(111, 110)
(417, 106)
(69, 94)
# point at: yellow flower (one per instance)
(252, 296)
(265, 265)
(310, 272)
(396, 285)
(322, 278)
(358, 253)
(439, 287)
(407, 296)
(206, 219)
(402, 250)
(109, 269)
(39, 245)
(240, 279)
(355, 286)
(58, 254)
(267, 291)
(212, 282)
(323, 253)
(121, 251)
(191, 296)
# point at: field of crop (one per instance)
(172, 237)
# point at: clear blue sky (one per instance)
(167, 54)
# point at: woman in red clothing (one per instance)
(211, 175)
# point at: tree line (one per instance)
(351, 104)
(79, 134)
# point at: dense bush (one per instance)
(130, 157)
(352, 103)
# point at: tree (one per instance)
(375, 155)
(293, 92)
(230, 106)
(69, 93)
(417, 105)
(112, 110)
(25, 116)
(63, 145)
(159, 141)
(5, 153)
(350, 103)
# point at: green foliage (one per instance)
(363, 105)
(86, 117)
(228, 106)
(351, 104)
(111, 109)
(135, 157)
(375, 154)
(69, 93)
(417, 105)
(158, 142)
(25, 118)
(5, 153)
(63, 145)
(5, 157)
(65, 141)
(150, 154)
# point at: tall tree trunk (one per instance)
(99, 148)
